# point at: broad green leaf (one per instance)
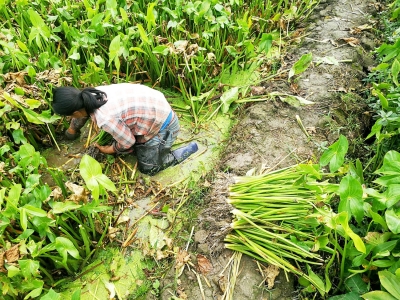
(382, 263)
(143, 34)
(343, 220)
(161, 49)
(301, 65)
(76, 295)
(391, 164)
(12, 204)
(51, 295)
(317, 281)
(378, 295)
(64, 246)
(265, 43)
(382, 98)
(92, 174)
(392, 218)
(23, 218)
(112, 6)
(311, 170)
(348, 296)
(29, 268)
(60, 207)
(151, 17)
(228, 97)
(377, 218)
(351, 201)
(395, 71)
(34, 211)
(12, 271)
(114, 51)
(390, 282)
(137, 49)
(375, 130)
(356, 284)
(19, 137)
(335, 154)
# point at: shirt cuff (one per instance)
(119, 150)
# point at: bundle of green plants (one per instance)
(275, 219)
(102, 138)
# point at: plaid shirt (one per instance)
(133, 113)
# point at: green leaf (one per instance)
(36, 287)
(265, 43)
(390, 282)
(334, 155)
(150, 17)
(160, 49)
(76, 295)
(34, 211)
(60, 207)
(12, 271)
(301, 65)
(114, 53)
(29, 268)
(382, 98)
(343, 220)
(64, 246)
(378, 295)
(51, 295)
(356, 284)
(391, 164)
(377, 218)
(395, 71)
(348, 296)
(92, 174)
(317, 281)
(23, 218)
(351, 200)
(143, 34)
(393, 220)
(228, 97)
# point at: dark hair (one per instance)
(67, 100)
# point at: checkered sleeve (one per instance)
(121, 133)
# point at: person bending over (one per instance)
(138, 117)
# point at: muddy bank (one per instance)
(340, 36)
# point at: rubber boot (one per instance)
(184, 152)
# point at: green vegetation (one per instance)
(204, 55)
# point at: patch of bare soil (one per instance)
(268, 134)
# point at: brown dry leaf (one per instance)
(222, 283)
(258, 90)
(80, 194)
(204, 265)
(2, 269)
(18, 77)
(311, 130)
(359, 29)
(182, 257)
(12, 254)
(182, 295)
(351, 41)
(271, 273)
(56, 193)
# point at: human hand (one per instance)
(105, 149)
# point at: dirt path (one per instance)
(268, 134)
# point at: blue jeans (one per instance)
(173, 129)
